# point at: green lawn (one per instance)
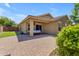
(7, 34)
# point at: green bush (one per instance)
(68, 41)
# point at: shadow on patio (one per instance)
(25, 37)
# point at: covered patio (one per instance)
(36, 25)
(42, 24)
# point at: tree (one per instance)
(6, 21)
(75, 13)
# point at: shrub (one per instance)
(68, 41)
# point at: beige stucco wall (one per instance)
(23, 27)
(50, 28)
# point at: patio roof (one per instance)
(44, 18)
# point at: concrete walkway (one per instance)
(40, 45)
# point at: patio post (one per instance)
(1, 28)
(31, 27)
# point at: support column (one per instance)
(1, 28)
(31, 27)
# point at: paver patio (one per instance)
(38, 45)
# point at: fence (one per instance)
(9, 28)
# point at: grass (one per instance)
(7, 34)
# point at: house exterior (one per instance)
(45, 23)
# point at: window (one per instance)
(59, 28)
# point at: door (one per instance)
(39, 27)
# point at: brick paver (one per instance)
(39, 45)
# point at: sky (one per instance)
(18, 11)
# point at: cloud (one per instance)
(14, 16)
(18, 17)
(54, 9)
(2, 11)
(5, 12)
(7, 5)
(31, 10)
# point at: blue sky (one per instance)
(18, 11)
